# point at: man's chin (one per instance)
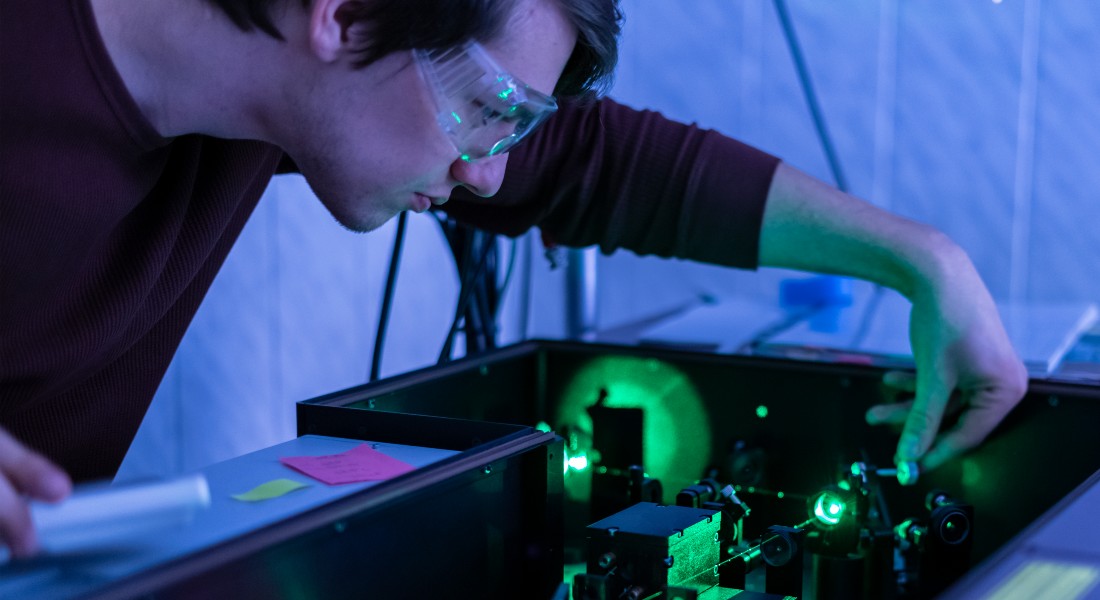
(358, 221)
(358, 214)
(361, 223)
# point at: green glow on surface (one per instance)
(779, 495)
(571, 570)
(465, 158)
(504, 94)
(761, 411)
(855, 469)
(579, 463)
(457, 118)
(844, 485)
(971, 473)
(543, 426)
(828, 509)
(676, 431)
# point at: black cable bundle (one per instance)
(479, 299)
(477, 259)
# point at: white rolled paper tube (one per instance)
(100, 514)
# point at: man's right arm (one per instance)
(960, 347)
(25, 474)
(606, 174)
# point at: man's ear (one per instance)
(328, 28)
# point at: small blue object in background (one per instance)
(825, 296)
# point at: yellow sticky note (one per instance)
(269, 490)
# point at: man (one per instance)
(138, 136)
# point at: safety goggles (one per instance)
(484, 110)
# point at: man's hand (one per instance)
(25, 474)
(965, 364)
(963, 357)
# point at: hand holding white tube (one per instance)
(25, 474)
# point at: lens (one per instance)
(828, 509)
(778, 550)
(954, 528)
(484, 110)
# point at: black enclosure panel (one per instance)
(803, 420)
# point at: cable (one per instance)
(479, 296)
(473, 323)
(477, 331)
(479, 327)
(777, 327)
(490, 297)
(808, 92)
(826, 144)
(464, 294)
(387, 297)
(507, 280)
(525, 287)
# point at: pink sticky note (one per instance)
(361, 463)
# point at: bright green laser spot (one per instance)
(576, 462)
(855, 469)
(828, 509)
(761, 411)
(457, 118)
(543, 426)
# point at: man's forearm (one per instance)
(811, 226)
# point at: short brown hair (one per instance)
(397, 25)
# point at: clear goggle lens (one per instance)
(484, 110)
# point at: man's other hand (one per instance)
(25, 474)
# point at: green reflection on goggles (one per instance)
(484, 110)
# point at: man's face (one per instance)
(371, 148)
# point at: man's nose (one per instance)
(482, 177)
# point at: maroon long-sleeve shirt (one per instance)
(110, 234)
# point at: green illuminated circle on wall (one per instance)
(675, 429)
